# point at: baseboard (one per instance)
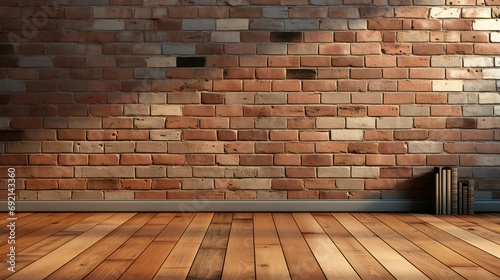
(414, 206)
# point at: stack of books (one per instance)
(452, 197)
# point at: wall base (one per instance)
(420, 206)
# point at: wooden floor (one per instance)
(248, 246)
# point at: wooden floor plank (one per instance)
(471, 238)
(239, 262)
(269, 258)
(330, 259)
(209, 261)
(84, 263)
(270, 263)
(299, 258)
(463, 248)
(388, 257)
(46, 265)
(265, 230)
(255, 246)
(481, 222)
(148, 263)
(442, 253)
(426, 263)
(471, 227)
(208, 264)
(361, 260)
(178, 263)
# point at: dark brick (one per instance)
(6, 49)
(309, 74)
(191, 61)
(8, 61)
(461, 123)
(11, 135)
(4, 99)
(295, 37)
(212, 98)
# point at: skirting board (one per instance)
(415, 206)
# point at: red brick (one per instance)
(411, 135)
(396, 172)
(283, 61)
(458, 148)
(383, 111)
(334, 195)
(99, 135)
(270, 73)
(104, 160)
(23, 159)
(351, 61)
(392, 148)
(169, 159)
(199, 111)
(299, 148)
(103, 184)
(431, 98)
(151, 195)
(380, 160)
(287, 184)
(319, 85)
(363, 148)
(256, 160)
(381, 135)
(257, 86)
(72, 184)
(222, 61)
(329, 147)
(300, 172)
(165, 184)
(284, 135)
(73, 160)
(269, 148)
(352, 111)
(317, 160)
(348, 159)
(380, 184)
(304, 98)
(442, 160)
(209, 135)
(41, 184)
(288, 85)
(181, 122)
(286, 159)
(471, 135)
(303, 195)
(239, 148)
(222, 85)
(411, 160)
(135, 159)
(303, 123)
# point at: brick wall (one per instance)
(248, 99)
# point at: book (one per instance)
(454, 191)
(464, 198)
(470, 197)
(448, 191)
(460, 198)
(443, 192)
(437, 190)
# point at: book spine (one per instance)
(470, 197)
(437, 190)
(448, 191)
(460, 198)
(443, 192)
(454, 191)
(464, 198)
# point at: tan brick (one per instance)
(448, 12)
(118, 195)
(365, 172)
(196, 147)
(152, 122)
(208, 172)
(271, 195)
(150, 172)
(425, 147)
(87, 195)
(447, 85)
(346, 135)
(335, 98)
(161, 62)
(334, 172)
(104, 171)
(360, 122)
(152, 97)
(232, 24)
(119, 147)
(255, 184)
(165, 135)
(394, 123)
(486, 24)
(24, 147)
(350, 184)
(180, 171)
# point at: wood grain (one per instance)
(239, 262)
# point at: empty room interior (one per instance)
(249, 139)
